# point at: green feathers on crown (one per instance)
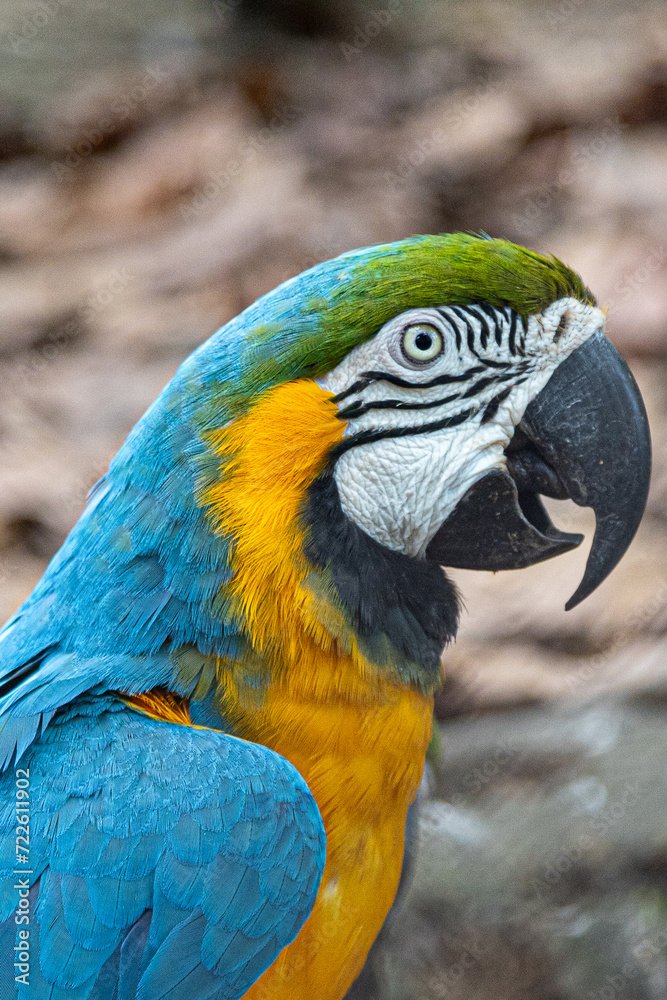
(306, 326)
(451, 269)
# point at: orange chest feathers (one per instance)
(306, 689)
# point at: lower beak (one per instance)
(585, 436)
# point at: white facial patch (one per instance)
(432, 401)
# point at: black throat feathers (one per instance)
(403, 610)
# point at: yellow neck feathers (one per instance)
(269, 458)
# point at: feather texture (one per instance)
(210, 583)
(187, 856)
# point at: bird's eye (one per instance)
(421, 343)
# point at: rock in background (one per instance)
(163, 164)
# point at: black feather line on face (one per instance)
(470, 333)
(479, 311)
(561, 328)
(518, 370)
(480, 386)
(489, 363)
(492, 314)
(507, 314)
(492, 407)
(512, 334)
(457, 333)
(485, 331)
(355, 387)
(358, 409)
(377, 376)
(369, 436)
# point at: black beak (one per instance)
(585, 436)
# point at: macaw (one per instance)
(216, 703)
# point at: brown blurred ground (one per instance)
(161, 165)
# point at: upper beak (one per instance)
(584, 436)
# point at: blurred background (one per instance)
(164, 163)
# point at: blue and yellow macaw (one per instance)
(216, 703)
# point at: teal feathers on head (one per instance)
(141, 566)
(307, 325)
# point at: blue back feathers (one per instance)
(176, 862)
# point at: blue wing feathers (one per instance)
(165, 916)
(179, 860)
(106, 984)
(149, 836)
(134, 586)
(131, 958)
(82, 921)
(62, 960)
(174, 973)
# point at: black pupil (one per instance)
(423, 341)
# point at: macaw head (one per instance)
(402, 408)
(296, 488)
(469, 376)
(492, 384)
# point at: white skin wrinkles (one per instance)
(400, 490)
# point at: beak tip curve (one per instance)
(580, 594)
(592, 423)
